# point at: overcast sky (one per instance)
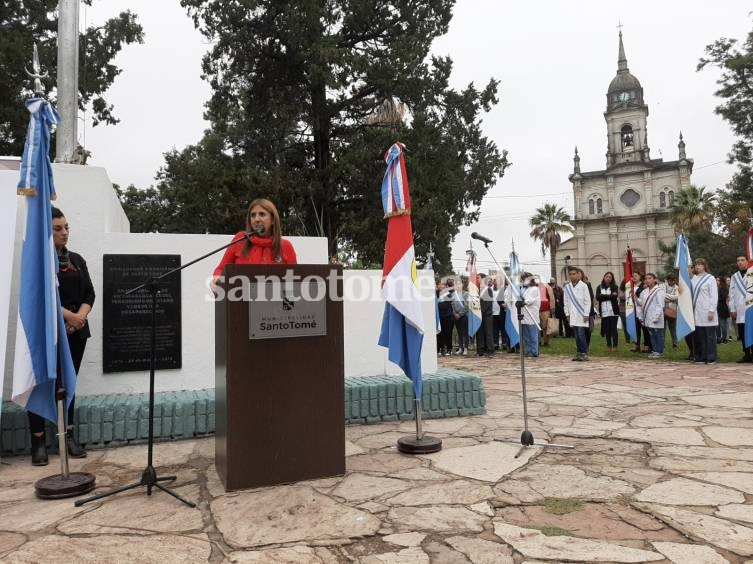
(554, 60)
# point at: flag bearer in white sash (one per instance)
(737, 296)
(651, 303)
(705, 301)
(578, 310)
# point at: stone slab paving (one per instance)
(661, 471)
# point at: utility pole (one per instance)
(67, 99)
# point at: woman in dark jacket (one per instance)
(77, 298)
(609, 309)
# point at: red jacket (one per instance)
(261, 252)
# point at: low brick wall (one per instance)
(116, 419)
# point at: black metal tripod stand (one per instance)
(149, 476)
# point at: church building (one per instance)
(628, 202)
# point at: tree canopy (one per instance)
(547, 226)
(306, 98)
(735, 61)
(23, 23)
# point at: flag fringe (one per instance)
(397, 213)
(26, 191)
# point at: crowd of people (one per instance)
(644, 309)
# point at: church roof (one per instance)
(653, 164)
(623, 80)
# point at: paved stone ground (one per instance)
(662, 471)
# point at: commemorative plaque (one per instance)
(127, 320)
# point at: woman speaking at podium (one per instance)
(264, 243)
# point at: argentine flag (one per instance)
(685, 317)
(402, 324)
(41, 341)
(474, 301)
(511, 319)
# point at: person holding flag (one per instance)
(473, 301)
(631, 327)
(532, 300)
(685, 317)
(512, 295)
(651, 303)
(738, 295)
(577, 310)
(705, 300)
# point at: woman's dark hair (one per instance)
(57, 213)
(613, 285)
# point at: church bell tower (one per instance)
(626, 117)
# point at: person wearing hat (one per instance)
(531, 296)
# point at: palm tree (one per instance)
(693, 208)
(547, 225)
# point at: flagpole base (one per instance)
(59, 486)
(425, 445)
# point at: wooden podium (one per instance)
(279, 377)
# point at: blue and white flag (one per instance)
(685, 317)
(41, 341)
(474, 296)
(511, 319)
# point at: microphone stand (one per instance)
(149, 476)
(526, 437)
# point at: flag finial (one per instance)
(37, 74)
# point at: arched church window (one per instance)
(671, 198)
(662, 200)
(599, 206)
(626, 136)
(591, 206)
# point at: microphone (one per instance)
(481, 238)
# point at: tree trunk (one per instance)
(322, 158)
(553, 262)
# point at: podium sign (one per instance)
(279, 389)
(278, 310)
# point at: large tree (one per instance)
(547, 226)
(735, 61)
(693, 209)
(299, 89)
(25, 22)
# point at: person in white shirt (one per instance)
(671, 295)
(532, 299)
(577, 310)
(705, 301)
(652, 307)
(738, 293)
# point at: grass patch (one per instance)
(727, 352)
(562, 506)
(555, 532)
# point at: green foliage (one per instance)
(735, 61)
(307, 97)
(693, 209)
(720, 251)
(548, 224)
(22, 23)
